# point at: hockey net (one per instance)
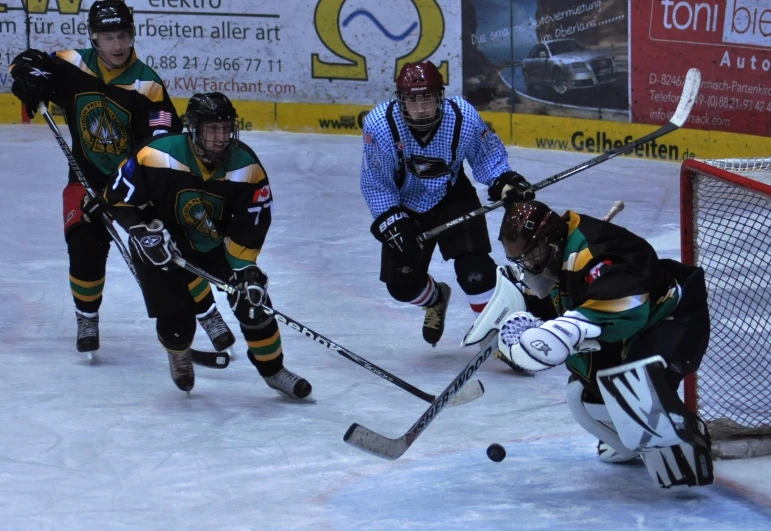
(726, 229)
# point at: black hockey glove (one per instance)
(510, 187)
(252, 292)
(92, 207)
(32, 73)
(395, 229)
(154, 245)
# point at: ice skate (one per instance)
(218, 331)
(289, 384)
(433, 324)
(181, 367)
(88, 333)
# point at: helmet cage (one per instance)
(420, 89)
(531, 235)
(211, 108)
(421, 97)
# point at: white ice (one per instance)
(117, 446)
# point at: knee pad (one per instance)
(407, 287)
(176, 330)
(594, 418)
(475, 272)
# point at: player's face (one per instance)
(420, 106)
(114, 47)
(215, 137)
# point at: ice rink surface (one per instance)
(117, 446)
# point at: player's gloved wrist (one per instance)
(510, 187)
(153, 244)
(92, 207)
(33, 78)
(251, 293)
(395, 229)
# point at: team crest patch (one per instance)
(103, 128)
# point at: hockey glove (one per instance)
(154, 245)
(510, 187)
(92, 207)
(251, 284)
(395, 229)
(33, 82)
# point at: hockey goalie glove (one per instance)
(395, 229)
(32, 72)
(251, 285)
(549, 344)
(153, 244)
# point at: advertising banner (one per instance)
(321, 51)
(547, 57)
(728, 40)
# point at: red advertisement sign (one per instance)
(728, 40)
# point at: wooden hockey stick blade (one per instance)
(688, 97)
(617, 207)
(384, 447)
(212, 360)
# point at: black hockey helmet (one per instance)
(109, 15)
(211, 107)
(532, 236)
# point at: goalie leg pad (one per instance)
(594, 418)
(645, 409)
(506, 300)
(682, 465)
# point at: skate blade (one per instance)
(310, 399)
(91, 358)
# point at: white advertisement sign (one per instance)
(325, 51)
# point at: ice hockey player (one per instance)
(413, 180)
(205, 196)
(628, 325)
(112, 102)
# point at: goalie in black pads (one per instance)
(628, 325)
(206, 196)
(112, 102)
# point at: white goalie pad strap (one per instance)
(595, 419)
(631, 396)
(506, 300)
(679, 466)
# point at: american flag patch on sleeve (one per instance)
(160, 118)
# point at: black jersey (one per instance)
(202, 209)
(109, 113)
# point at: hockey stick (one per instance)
(687, 100)
(474, 391)
(214, 360)
(43, 110)
(381, 446)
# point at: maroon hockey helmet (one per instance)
(532, 234)
(420, 93)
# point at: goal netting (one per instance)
(726, 229)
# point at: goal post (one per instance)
(725, 214)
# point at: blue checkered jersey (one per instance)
(397, 169)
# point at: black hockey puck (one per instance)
(496, 452)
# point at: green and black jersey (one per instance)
(109, 113)
(614, 278)
(202, 209)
